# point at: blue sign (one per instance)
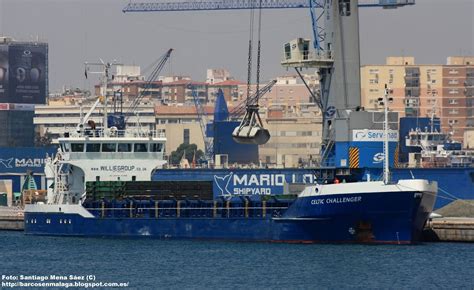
(21, 160)
(237, 183)
(241, 182)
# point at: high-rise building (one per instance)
(445, 91)
(23, 83)
(23, 71)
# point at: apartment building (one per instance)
(230, 89)
(288, 90)
(443, 90)
(181, 91)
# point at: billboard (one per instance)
(4, 72)
(21, 160)
(24, 73)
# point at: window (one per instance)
(77, 147)
(186, 136)
(92, 147)
(124, 147)
(66, 147)
(140, 147)
(453, 81)
(453, 102)
(109, 147)
(344, 7)
(156, 147)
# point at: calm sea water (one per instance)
(157, 264)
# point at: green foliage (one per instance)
(42, 141)
(176, 155)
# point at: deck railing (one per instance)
(225, 211)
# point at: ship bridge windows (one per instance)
(65, 147)
(124, 147)
(140, 147)
(77, 147)
(156, 147)
(93, 147)
(109, 147)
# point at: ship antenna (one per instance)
(104, 72)
(386, 160)
(105, 84)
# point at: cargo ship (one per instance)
(365, 212)
(99, 184)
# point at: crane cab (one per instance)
(297, 49)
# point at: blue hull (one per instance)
(350, 218)
(453, 183)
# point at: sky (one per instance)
(89, 30)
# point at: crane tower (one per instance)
(336, 56)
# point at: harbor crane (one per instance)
(149, 82)
(248, 4)
(203, 122)
(335, 54)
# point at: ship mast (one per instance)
(104, 72)
(105, 79)
(386, 160)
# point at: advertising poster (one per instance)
(28, 73)
(3, 73)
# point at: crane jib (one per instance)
(249, 4)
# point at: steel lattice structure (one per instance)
(248, 4)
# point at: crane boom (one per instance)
(153, 76)
(248, 4)
(209, 148)
(84, 120)
(239, 110)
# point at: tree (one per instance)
(42, 141)
(176, 155)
